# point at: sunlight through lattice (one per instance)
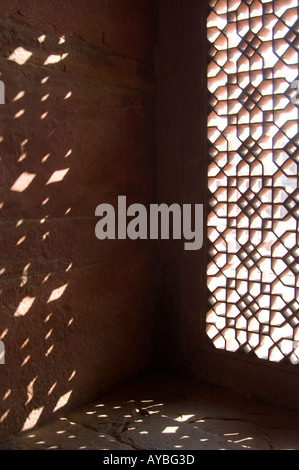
(253, 131)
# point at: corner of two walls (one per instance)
(182, 158)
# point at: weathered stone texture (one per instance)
(122, 27)
(162, 413)
(77, 130)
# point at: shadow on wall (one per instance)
(58, 304)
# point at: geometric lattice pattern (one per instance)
(253, 222)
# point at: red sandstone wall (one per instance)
(76, 314)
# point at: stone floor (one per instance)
(164, 413)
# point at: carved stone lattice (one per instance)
(253, 221)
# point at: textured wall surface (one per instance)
(77, 314)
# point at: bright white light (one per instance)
(20, 55)
(58, 176)
(63, 400)
(170, 430)
(24, 306)
(54, 58)
(57, 293)
(32, 419)
(183, 418)
(22, 183)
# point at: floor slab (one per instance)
(165, 413)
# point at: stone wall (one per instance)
(77, 315)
